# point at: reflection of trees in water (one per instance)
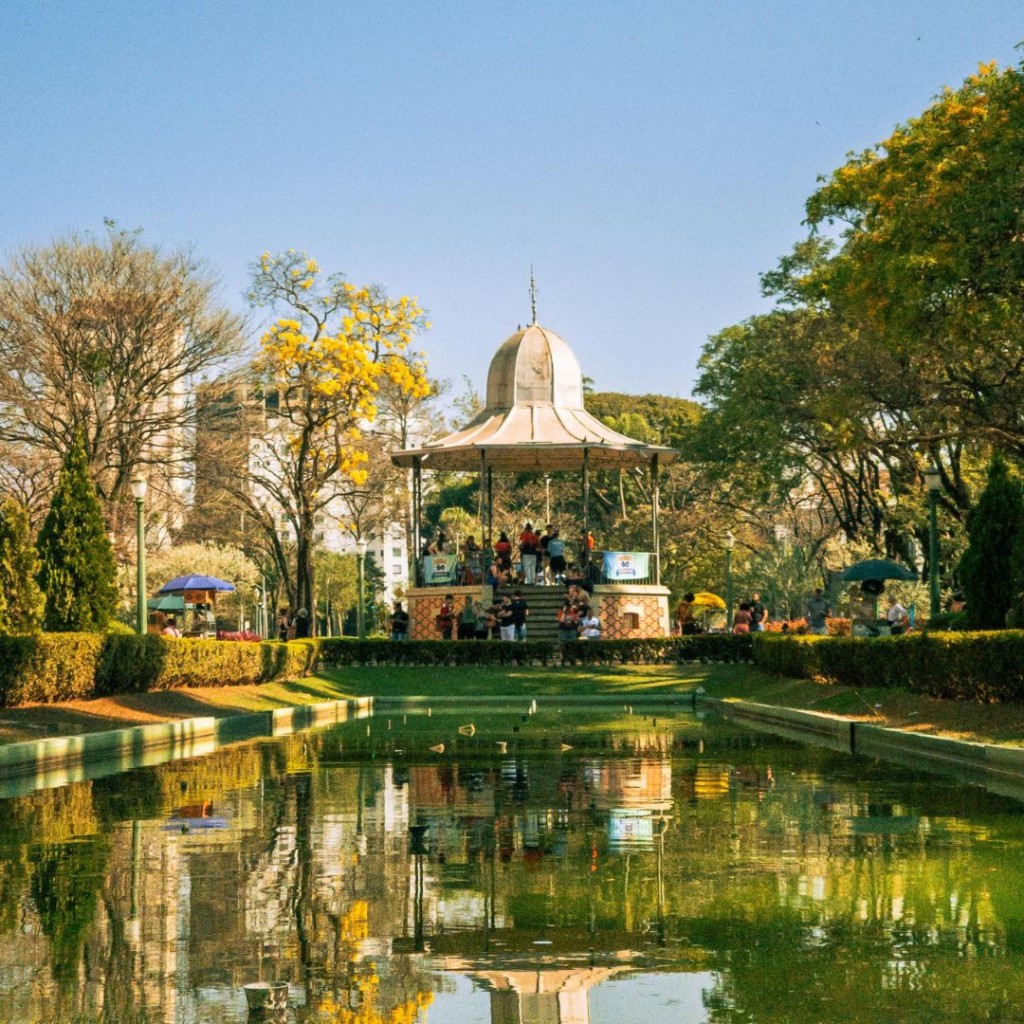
(806, 898)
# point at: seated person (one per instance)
(503, 552)
(589, 626)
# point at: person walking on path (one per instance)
(520, 613)
(817, 613)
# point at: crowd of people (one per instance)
(535, 559)
(752, 616)
(505, 618)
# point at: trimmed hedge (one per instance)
(338, 652)
(978, 666)
(52, 667)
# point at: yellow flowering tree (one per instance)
(932, 259)
(321, 365)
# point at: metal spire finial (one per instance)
(533, 297)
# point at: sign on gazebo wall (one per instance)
(626, 565)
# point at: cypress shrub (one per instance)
(77, 573)
(21, 600)
(995, 528)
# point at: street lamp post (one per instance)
(730, 543)
(361, 588)
(138, 486)
(933, 481)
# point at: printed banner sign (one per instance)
(626, 565)
(439, 569)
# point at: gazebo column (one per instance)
(490, 507)
(480, 504)
(585, 554)
(417, 514)
(655, 531)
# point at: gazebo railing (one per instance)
(622, 567)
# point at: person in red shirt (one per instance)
(529, 546)
(503, 553)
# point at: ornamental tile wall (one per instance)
(632, 615)
(424, 605)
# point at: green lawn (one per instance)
(987, 723)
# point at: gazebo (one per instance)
(534, 421)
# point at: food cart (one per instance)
(192, 600)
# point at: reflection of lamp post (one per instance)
(361, 607)
(933, 481)
(730, 543)
(139, 493)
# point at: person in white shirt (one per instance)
(897, 615)
(589, 627)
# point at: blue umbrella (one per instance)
(195, 583)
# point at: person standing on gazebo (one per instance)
(543, 562)
(529, 545)
(556, 549)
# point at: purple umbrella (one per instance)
(195, 583)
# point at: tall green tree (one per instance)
(78, 575)
(995, 527)
(21, 600)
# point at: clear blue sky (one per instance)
(650, 159)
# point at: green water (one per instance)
(662, 869)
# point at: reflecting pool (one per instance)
(557, 867)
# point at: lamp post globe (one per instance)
(139, 487)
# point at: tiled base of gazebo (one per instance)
(625, 611)
(631, 611)
(424, 604)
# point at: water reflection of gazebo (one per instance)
(534, 421)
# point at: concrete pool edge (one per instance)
(977, 761)
(170, 740)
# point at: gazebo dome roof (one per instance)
(534, 367)
(534, 419)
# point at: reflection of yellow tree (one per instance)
(355, 999)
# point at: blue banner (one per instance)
(626, 565)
